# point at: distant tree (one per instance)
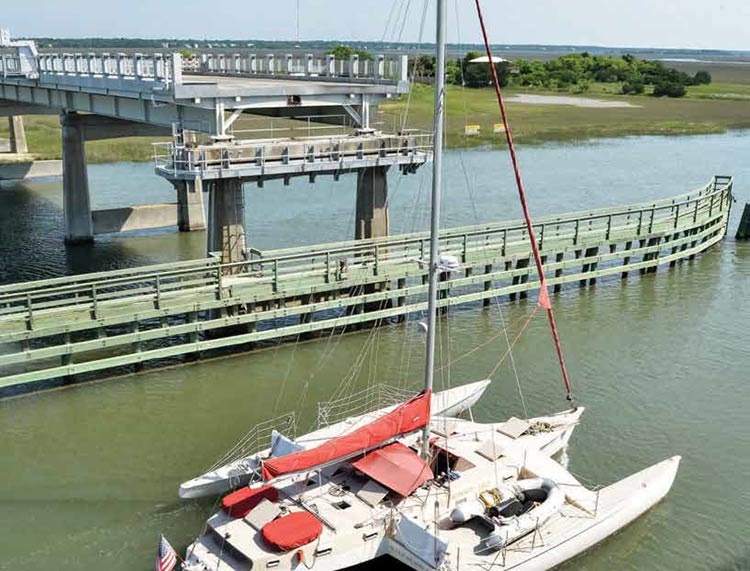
(581, 86)
(633, 87)
(480, 74)
(453, 73)
(701, 78)
(669, 89)
(531, 73)
(344, 52)
(424, 68)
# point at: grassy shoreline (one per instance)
(710, 109)
(703, 112)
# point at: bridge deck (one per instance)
(93, 322)
(265, 85)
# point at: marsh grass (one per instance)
(713, 108)
(698, 113)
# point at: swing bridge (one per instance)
(75, 327)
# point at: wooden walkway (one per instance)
(58, 328)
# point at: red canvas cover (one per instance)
(241, 502)
(407, 417)
(396, 467)
(291, 531)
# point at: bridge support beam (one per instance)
(76, 200)
(372, 203)
(191, 213)
(226, 225)
(17, 135)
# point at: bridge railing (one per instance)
(378, 68)
(167, 69)
(177, 159)
(136, 69)
(10, 65)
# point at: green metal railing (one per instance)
(93, 322)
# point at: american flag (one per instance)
(166, 558)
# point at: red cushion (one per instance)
(291, 531)
(241, 502)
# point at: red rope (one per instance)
(544, 300)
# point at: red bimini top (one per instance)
(396, 467)
(407, 417)
(292, 531)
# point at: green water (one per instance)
(89, 474)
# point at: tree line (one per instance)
(571, 72)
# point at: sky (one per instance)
(716, 24)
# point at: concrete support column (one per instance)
(226, 225)
(17, 135)
(372, 203)
(76, 200)
(191, 213)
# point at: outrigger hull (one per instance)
(450, 402)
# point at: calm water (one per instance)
(89, 474)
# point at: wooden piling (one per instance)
(743, 230)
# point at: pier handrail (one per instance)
(89, 323)
(365, 255)
(517, 224)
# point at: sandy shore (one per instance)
(566, 100)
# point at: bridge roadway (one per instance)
(104, 95)
(164, 90)
(90, 323)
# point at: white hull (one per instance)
(361, 532)
(450, 402)
(567, 535)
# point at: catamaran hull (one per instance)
(617, 506)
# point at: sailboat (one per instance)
(434, 492)
(549, 434)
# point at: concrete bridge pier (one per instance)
(191, 214)
(76, 199)
(372, 203)
(226, 219)
(17, 135)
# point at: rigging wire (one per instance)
(414, 66)
(544, 300)
(473, 201)
(388, 20)
(403, 20)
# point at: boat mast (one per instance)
(437, 163)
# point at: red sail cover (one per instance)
(407, 417)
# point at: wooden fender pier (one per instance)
(88, 323)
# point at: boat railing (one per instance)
(258, 438)
(367, 400)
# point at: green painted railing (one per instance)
(92, 322)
